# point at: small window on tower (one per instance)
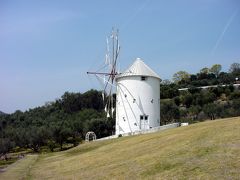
(134, 100)
(143, 78)
(141, 117)
(146, 117)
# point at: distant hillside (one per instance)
(2, 113)
(207, 150)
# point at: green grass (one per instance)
(207, 150)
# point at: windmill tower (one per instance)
(137, 91)
(138, 99)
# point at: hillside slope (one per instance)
(207, 150)
(2, 113)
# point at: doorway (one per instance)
(144, 122)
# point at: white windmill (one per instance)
(138, 99)
(137, 92)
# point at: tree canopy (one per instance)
(181, 76)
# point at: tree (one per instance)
(180, 76)
(234, 95)
(204, 70)
(177, 100)
(60, 134)
(37, 137)
(215, 69)
(226, 78)
(166, 82)
(236, 105)
(210, 110)
(187, 99)
(92, 100)
(193, 77)
(169, 112)
(5, 145)
(208, 97)
(235, 68)
(193, 112)
(193, 90)
(71, 102)
(101, 127)
(168, 91)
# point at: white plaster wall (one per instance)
(134, 98)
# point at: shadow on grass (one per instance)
(4, 163)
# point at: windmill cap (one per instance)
(138, 68)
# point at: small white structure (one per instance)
(138, 99)
(90, 136)
(184, 124)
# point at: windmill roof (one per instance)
(138, 68)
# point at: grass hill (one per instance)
(207, 150)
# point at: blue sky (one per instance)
(46, 47)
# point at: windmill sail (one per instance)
(108, 72)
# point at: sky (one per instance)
(46, 47)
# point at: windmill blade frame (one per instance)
(108, 72)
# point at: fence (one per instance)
(152, 130)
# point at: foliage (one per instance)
(5, 145)
(215, 69)
(210, 110)
(168, 91)
(169, 112)
(204, 70)
(195, 102)
(181, 76)
(64, 121)
(235, 68)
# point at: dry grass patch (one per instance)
(20, 169)
(208, 150)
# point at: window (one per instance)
(143, 78)
(152, 101)
(134, 100)
(124, 119)
(146, 117)
(125, 95)
(143, 117)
